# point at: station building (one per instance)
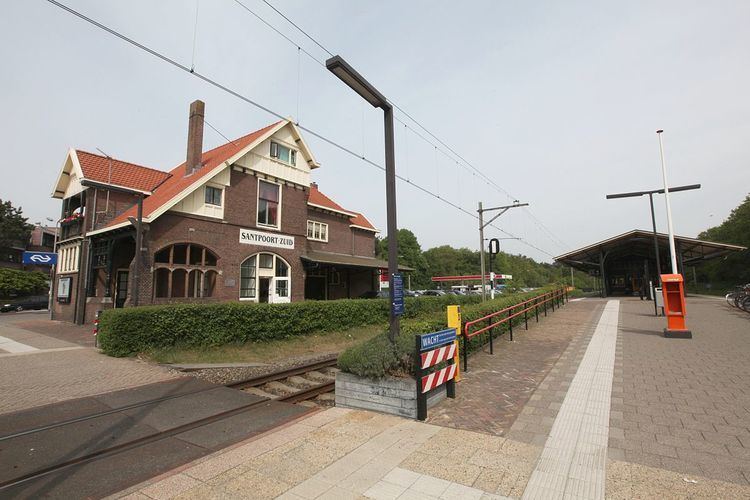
(241, 222)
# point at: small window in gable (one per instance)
(283, 153)
(213, 196)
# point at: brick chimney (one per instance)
(195, 137)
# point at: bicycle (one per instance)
(740, 297)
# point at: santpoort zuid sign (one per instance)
(250, 237)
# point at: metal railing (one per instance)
(496, 320)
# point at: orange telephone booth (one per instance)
(674, 306)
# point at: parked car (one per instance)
(37, 303)
(375, 294)
(433, 293)
(411, 293)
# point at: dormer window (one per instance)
(283, 153)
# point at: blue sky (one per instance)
(556, 102)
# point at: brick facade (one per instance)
(177, 280)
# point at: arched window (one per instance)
(184, 270)
(265, 277)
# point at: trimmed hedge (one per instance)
(124, 332)
(377, 357)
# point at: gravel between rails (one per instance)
(228, 375)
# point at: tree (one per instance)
(14, 282)
(14, 230)
(409, 254)
(735, 268)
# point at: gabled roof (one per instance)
(360, 222)
(319, 200)
(179, 184)
(164, 189)
(120, 173)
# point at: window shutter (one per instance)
(293, 158)
(274, 150)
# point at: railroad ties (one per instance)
(311, 384)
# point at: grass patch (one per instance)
(268, 351)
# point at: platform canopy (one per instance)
(626, 263)
(641, 243)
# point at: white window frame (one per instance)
(263, 272)
(292, 153)
(221, 196)
(67, 259)
(277, 227)
(320, 226)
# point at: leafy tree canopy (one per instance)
(14, 282)
(14, 228)
(448, 261)
(735, 268)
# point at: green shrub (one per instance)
(377, 357)
(124, 332)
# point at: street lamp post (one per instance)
(339, 67)
(482, 225)
(651, 194)
(672, 251)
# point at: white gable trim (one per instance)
(58, 191)
(200, 181)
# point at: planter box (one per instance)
(396, 396)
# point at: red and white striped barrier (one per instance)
(438, 378)
(438, 355)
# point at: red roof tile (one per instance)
(321, 200)
(361, 221)
(97, 168)
(318, 198)
(178, 182)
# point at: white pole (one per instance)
(673, 253)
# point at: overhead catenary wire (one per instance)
(246, 99)
(463, 161)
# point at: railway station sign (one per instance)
(397, 306)
(251, 237)
(40, 258)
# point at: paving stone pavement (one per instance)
(497, 387)
(59, 370)
(684, 404)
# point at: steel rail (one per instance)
(282, 374)
(270, 377)
(129, 445)
(308, 393)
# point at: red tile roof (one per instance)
(361, 221)
(178, 182)
(166, 185)
(321, 200)
(97, 168)
(318, 198)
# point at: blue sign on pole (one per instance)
(432, 340)
(397, 287)
(40, 258)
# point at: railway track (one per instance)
(295, 384)
(292, 385)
